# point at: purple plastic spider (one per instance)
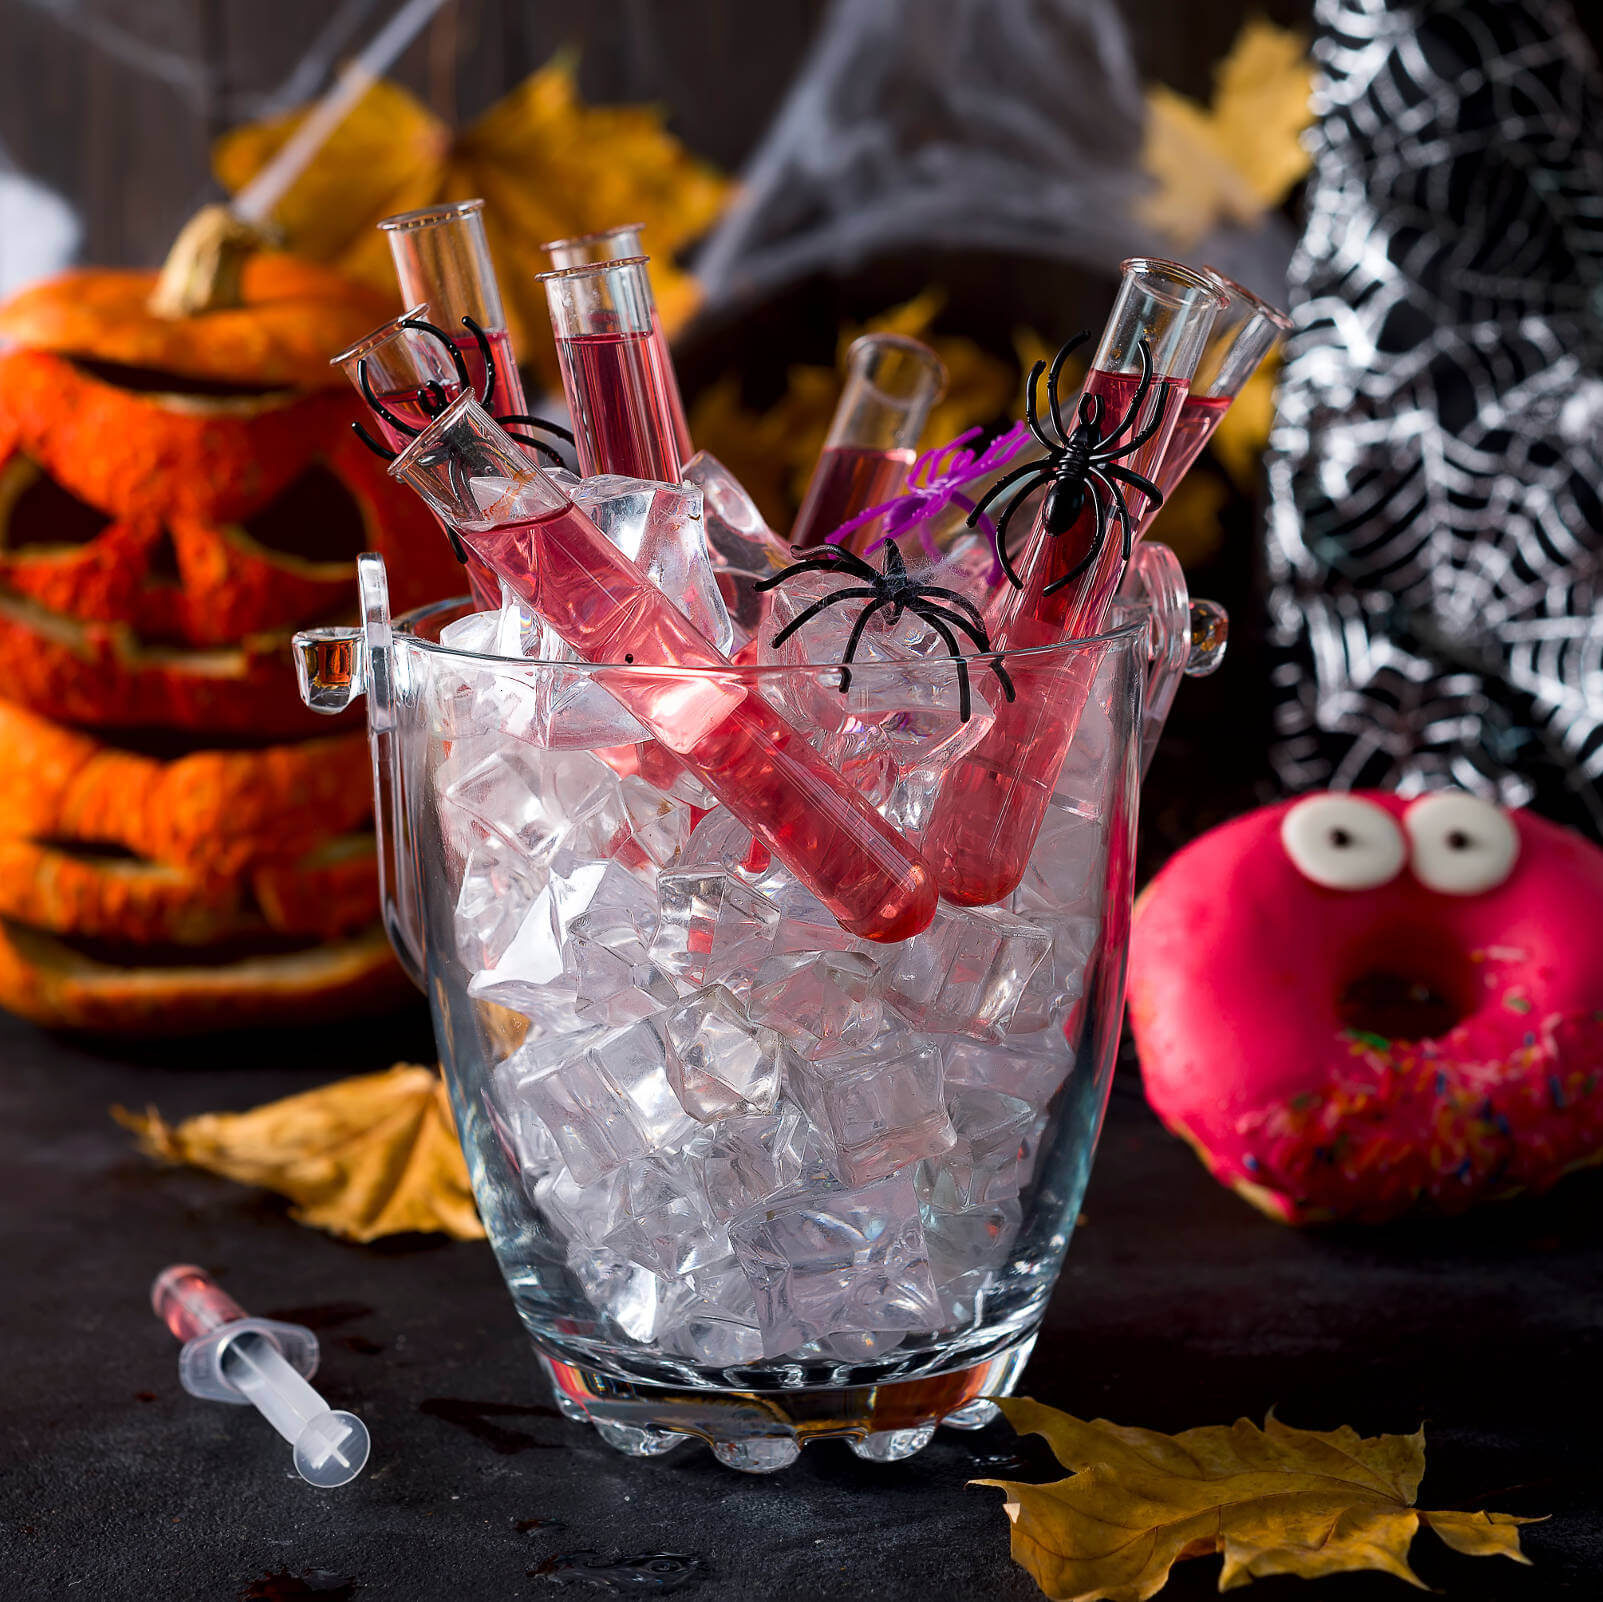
(934, 482)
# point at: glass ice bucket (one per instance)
(749, 1178)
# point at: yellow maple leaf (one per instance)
(1275, 1500)
(773, 452)
(546, 164)
(363, 1157)
(1231, 160)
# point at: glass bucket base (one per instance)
(761, 1431)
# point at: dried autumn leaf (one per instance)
(1275, 1500)
(547, 165)
(773, 452)
(364, 1157)
(1230, 161)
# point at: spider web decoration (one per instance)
(1435, 528)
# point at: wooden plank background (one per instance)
(114, 103)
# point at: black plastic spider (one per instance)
(432, 398)
(892, 590)
(1078, 462)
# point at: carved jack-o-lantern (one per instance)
(177, 493)
(215, 887)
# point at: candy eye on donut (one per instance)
(1343, 843)
(1461, 845)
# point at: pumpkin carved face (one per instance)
(141, 894)
(178, 494)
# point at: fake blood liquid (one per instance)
(847, 480)
(1199, 417)
(764, 771)
(624, 419)
(993, 801)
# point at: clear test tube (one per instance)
(993, 800)
(621, 244)
(442, 256)
(400, 363)
(892, 382)
(1245, 329)
(614, 370)
(671, 677)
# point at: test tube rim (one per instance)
(914, 347)
(1191, 277)
(1260, 306)
(591, 268)
(380, 335)
(431, 216)
(591, 237)
(431, 431)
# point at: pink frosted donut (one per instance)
(1350, 1004)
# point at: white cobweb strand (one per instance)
(1007, 125)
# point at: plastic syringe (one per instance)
(229, 1357)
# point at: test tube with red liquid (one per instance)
(1245, 329)
(401, 363)
(442, 256)
(604, 320)
(891, 384)
(710, 717)
(620, 244)
(993, 800)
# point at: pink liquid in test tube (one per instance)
(614, 369)
(606, 609)
(891, 384)
(621, 244)
(1244, 331)
(993, 801)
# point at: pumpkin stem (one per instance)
(204, 270)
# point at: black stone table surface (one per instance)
(1179, 1306)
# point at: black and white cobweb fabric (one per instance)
(1435, 533)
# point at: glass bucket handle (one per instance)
(332, 667)
(1185, 637)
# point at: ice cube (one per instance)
(719, 1061)
(967, 972)
(658, 828)
(861, 1345)
(1064, 872)
(1027, 1067)
(740, 545)
(582, 1214)
(529, 1147)
(659, 527)
(987, 1163)
(1059, 982)
(820, 1001)
(663, 1221)
(968, 1248)
(604, 1095)
(837, 1260)
(477, 633)
(620, 1290)
(722, 844)
(743, 1160)
(610, 989)
(807, 925)
(710, 1317)
(498, 886)
(710, 925)
(881, 1105)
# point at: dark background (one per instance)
(1179, 1305)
